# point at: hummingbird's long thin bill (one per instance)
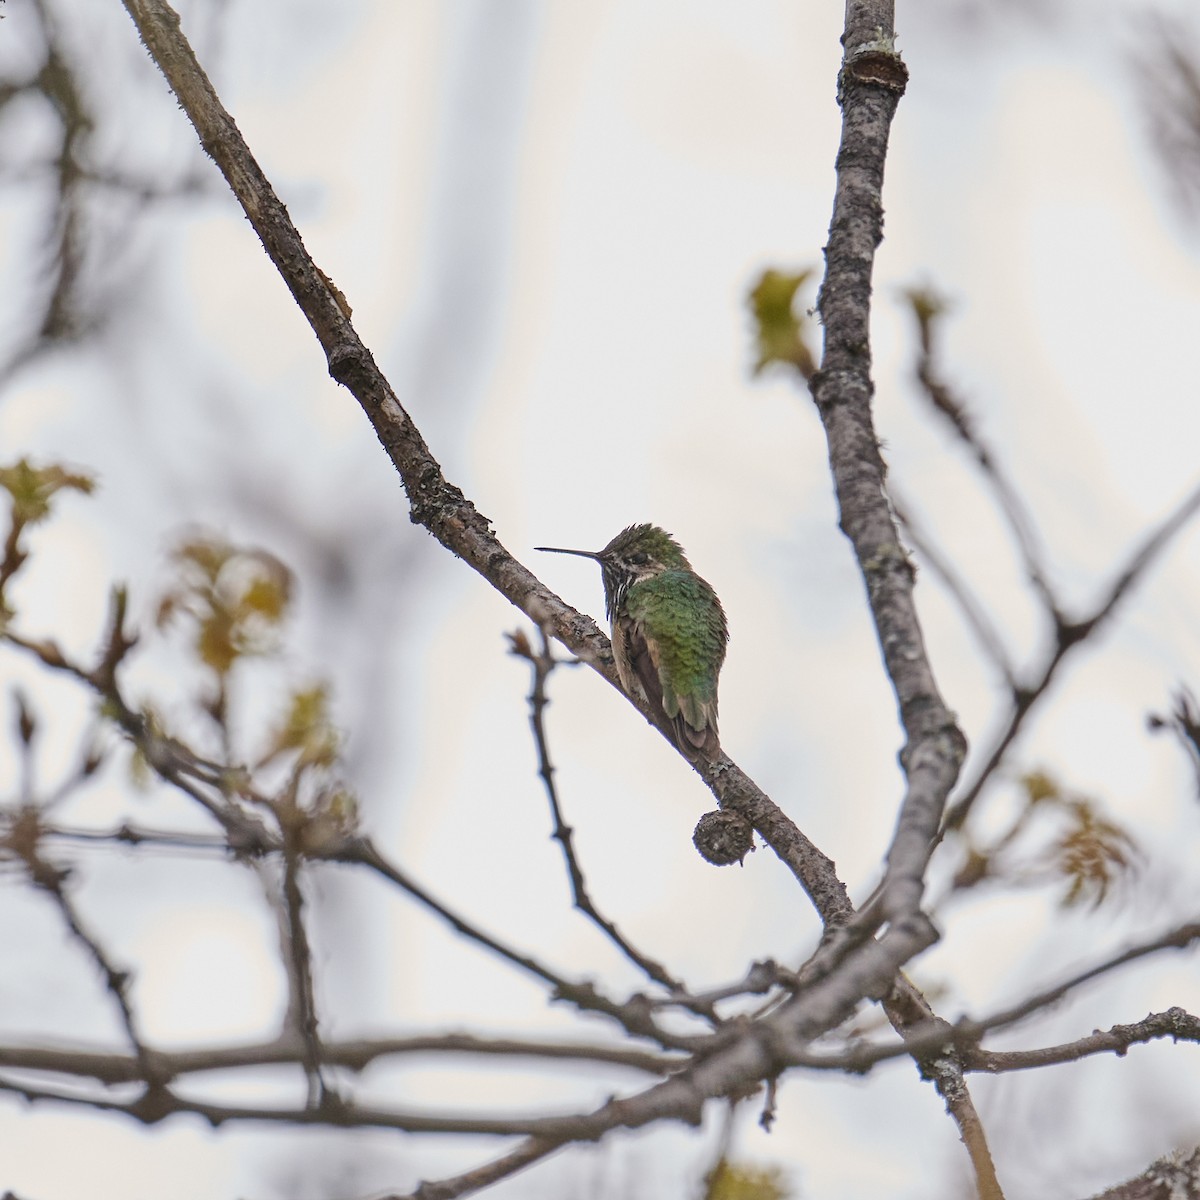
(560, 550)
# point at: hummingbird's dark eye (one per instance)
(639, 559)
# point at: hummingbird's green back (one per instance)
(683, 625)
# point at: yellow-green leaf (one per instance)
(734, 1181)
(779, 329)
(32, 488)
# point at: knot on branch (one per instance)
(346, 362)
(875, 62)
(723, 837)
(155, 1104)
(882, 68)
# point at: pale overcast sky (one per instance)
(546, 218)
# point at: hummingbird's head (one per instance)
(636, 553)
(641, 551)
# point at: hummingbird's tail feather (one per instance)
(692, 740)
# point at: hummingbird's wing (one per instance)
(673, 633)
(639, 670)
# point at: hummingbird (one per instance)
(668, 631)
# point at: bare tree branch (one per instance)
(1184, 722)
(302, 1006)
(635, 1015)
(1178, 938)
(542, 662)
(760, 978)
(433, 502)
(528, 1152)
(927, 307)
(112, 1067)
(1176, 1176)
(1068, 636)
(1169, 77)
(127, 835)
(209, 784)
(981, 625)
(862, 957)
(872, 80)
(925, 1035)
(335, 1112)
(1175, 1023)
(177, 766)
(23, 840)
(907, 1008)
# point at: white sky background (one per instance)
(546, 217)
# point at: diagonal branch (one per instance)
(531, 1150)
(635, 1016)
(23, 839)
(973, 612)
(206, 783)
(927, 308)
(434, 502)
(1179, 938)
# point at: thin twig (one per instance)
(1176, 1023)
(127, 835)
(907, 1008)
(332, 1112)
(26, 730)
(113, 1067)
(927, 308)
(302, 1004)
(51, 880)
(760, 978)
(542, 663)
(973, 612)
(635, 1016)
(175, 763)
(1069, 635)
(1184, 722)
(1178, 938)
(526, 1154)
